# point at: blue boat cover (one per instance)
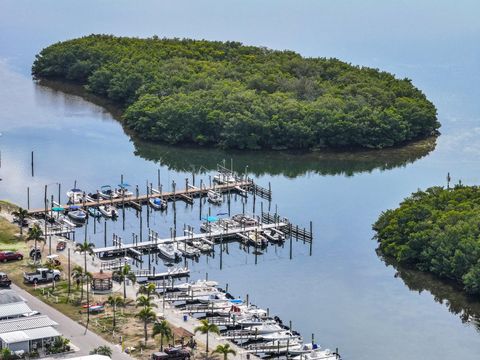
(74, 207)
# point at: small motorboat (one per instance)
(188, 251)
(169, 251)
(123, 191)
(108, 211)
(224, 178)
(75, 196)
(77, 214)
(214, 197)
(257, 239)
(319, 354)
(94, 212)
(274, 236)
(158, 204)
(61, 245)
(106, 192)
(202, 246)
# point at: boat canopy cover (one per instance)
(124, 185)
(58, 208)
(74, 207)
(157, 201)
(211, 218)
(105, 187)
(236, 301)
(224, 213)
(76, 190)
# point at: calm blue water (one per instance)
(344, 293)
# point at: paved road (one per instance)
(71, 329)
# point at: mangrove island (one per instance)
(245, 97)
(436, 231)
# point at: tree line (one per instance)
(237, 96)
(436, 231)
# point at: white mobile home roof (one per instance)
(32, 334)
(9, 297)
(25, 323)
(14, 309)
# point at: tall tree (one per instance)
(35, 233)
(148, 290)
(147, 315)
(124, 273)
(21, 214)
(114, 301)
(206, 328)
(79, 276)
(224, 350)
(163, 329)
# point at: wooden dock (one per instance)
(214, 236)
(186, 195)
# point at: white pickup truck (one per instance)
(42, 275)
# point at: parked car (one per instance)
(10, 255)
(61, 245)
(41, 275)
(5, 282)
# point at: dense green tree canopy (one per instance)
(438, 231)
(237, 96)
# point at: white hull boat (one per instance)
(108, 211)
(158, 204)
(202, 246)
(169, 251)
(188, 251)
(107, 193)
(318, 354)
(75, 196)
(214, 197)
(77, 215)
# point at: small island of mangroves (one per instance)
(436, 231)
(234, 96)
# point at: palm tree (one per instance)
(114, 301)
(224, 350)
(147, 315)
(102, 350)
(77, 275)
(144, 302)
(206, 328)
(35, 233)
(20, 214)
(164, 330)
(149, 290)
(85, 248)
(88, 277)
(123, 274)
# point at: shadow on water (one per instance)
(444, 292)
(290, 164)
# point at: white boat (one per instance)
(274, 236)
(108, 211)
(187, 250)
(199, 284)
(257, 239)
(265, 328)
(214, 197)
(75, 196)
(123, 191)
(202, 246)
(224, 178)
(169, 251)
(158, 204)
(318, 354)
(77, 215)
(107, 193)
(280, 335)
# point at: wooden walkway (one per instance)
(185, 195)
(154, 240)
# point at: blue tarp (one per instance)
(123, 185)
(74, 207)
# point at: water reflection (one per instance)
(290, 164)
(457, 302)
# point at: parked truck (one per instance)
(42, 275)
(5, 282)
